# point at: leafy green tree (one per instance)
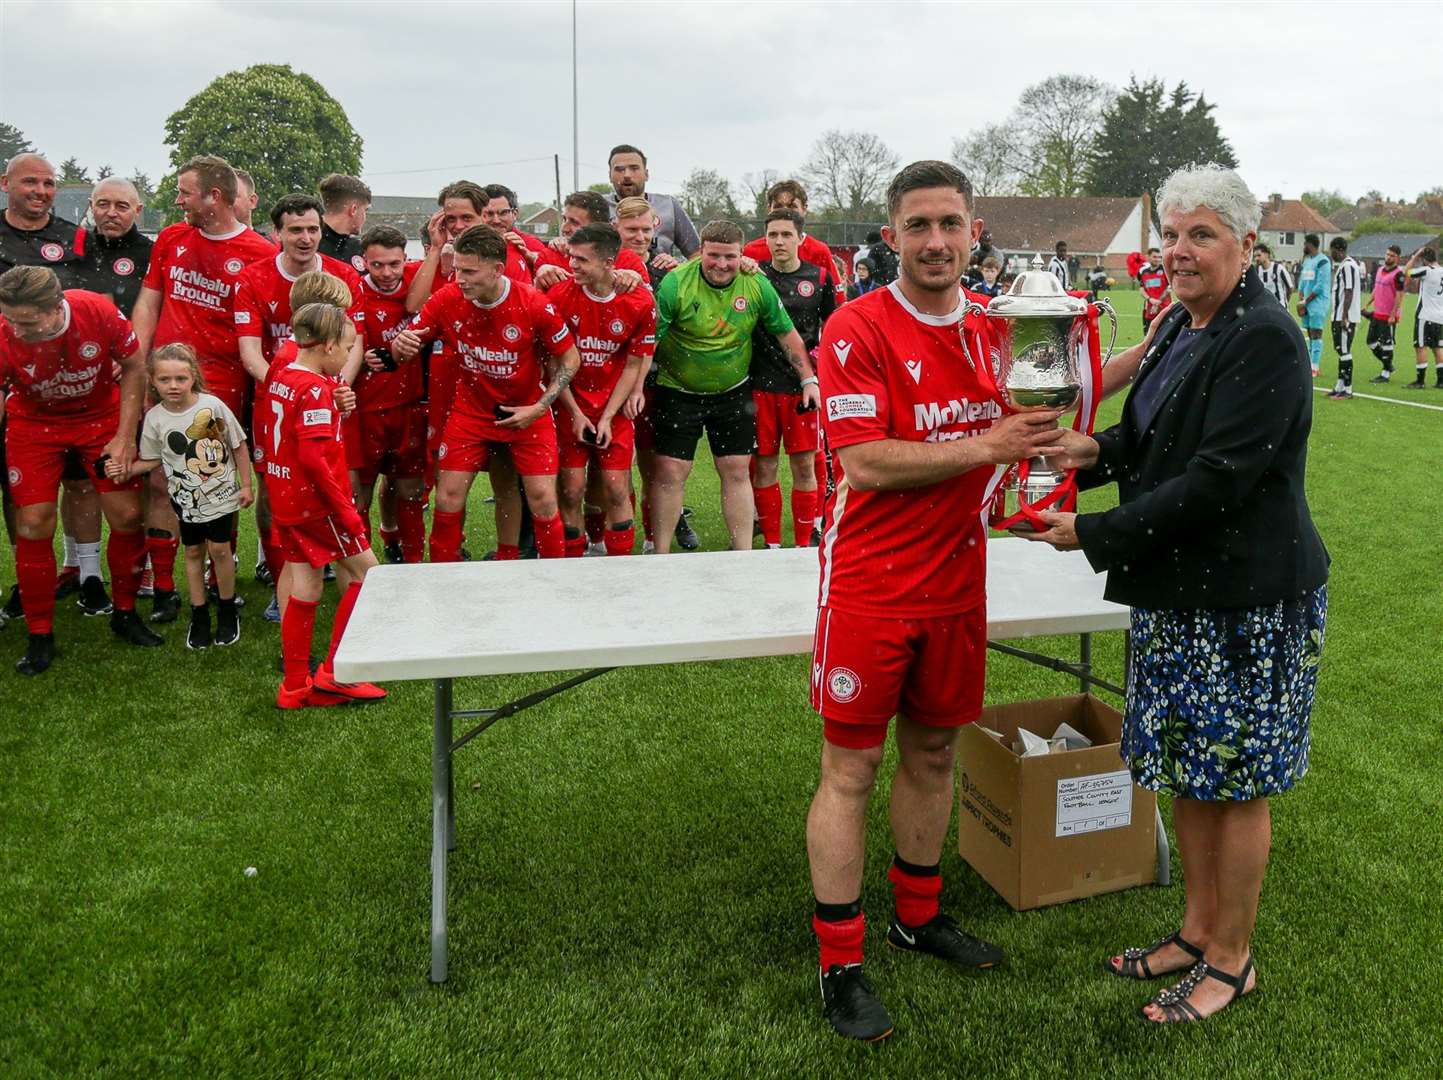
(600, 189)
(1326, 201)
(1148, 132)
(12, 142)
(1056, 122)
(279, 125)
(1388, 225)
(103, 171)
(707, 195)
(72, 172)
(143, 185)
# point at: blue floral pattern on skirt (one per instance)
(1219, 701)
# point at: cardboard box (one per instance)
(1055, 827)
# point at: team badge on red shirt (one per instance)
(617, 326)
(234, 266)
(15, 476)
(123, 266)
(359, 263)
(511, 333)
(739, 304)
(805, 288)
(52, 252)
(90, 350)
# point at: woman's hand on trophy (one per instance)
(1152, 327)
(1021, 435)
(1072, 450)
(1061, 531)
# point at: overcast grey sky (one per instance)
(1311, 95)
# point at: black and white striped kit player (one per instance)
(1347, 311)
(1058, 269)
(1428, 324)
(1278, 281)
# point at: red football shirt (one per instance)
(385, 317)
(515, 269)
(811, 251)
(262, 436)
(263, 300)
(301, 407)
(68, 375)
(1152, 280)
(607, 330)
(888, 371)
(196, 276)
(497, 348)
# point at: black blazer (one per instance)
(1212, 509)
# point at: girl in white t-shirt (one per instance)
(202, 447)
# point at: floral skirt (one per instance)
(1219, 701)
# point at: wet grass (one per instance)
(630, 895)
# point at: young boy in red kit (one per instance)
(314, 519)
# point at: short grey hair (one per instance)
(1219, 189)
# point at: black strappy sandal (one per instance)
(1176, 1009)
(1134, 961)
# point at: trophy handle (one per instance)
(972, 307)
(1105, 306)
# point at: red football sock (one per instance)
(35, 574)
(446, 536)
(575, 546)
(161, 546)
(550, 536)
(841, 942)
(392, 536)
(769, 512)
(338, 627)
(595, 524)
(297, 623)
(914, 895)
(621, 541)
(271, 553)
(507, 553)
(411, 517)
(124, 555)
(804, 510)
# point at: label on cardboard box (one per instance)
(1088, 804)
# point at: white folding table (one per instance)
(444, 621)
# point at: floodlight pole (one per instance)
(575, 130)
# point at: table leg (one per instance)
(1085, 662)
(440, 825)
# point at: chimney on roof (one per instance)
(1275, 202)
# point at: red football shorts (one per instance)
(317, 541)
(229, 382)
(866, 669)
(389, 441)
(576, 454)
(36, 452)
(467, 444)
(780, 425)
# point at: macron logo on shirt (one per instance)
(842, 349)
(914, 369)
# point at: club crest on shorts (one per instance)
(511, 333)
(441, 451)
(90, 350)
(123, 266)
(52, 252)
(739, 304)
(805, 288)
(234, 266)
(617, 326)
(15, 476)
(843, 684)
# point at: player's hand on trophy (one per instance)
(1021, 435)
(1072, 450)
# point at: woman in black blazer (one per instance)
(1213, 548)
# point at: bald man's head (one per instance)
(29, 181)
(114, 204)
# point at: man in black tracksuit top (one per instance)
(807, 295)
(116, 253)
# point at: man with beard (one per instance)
(628, 178)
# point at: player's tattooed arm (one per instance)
(567, 364)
